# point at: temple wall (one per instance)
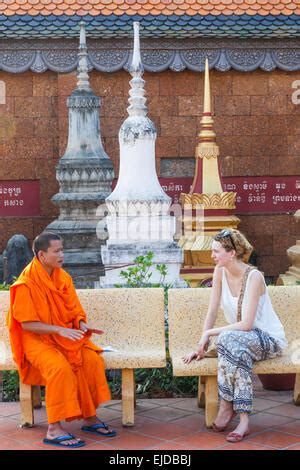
(256, 123)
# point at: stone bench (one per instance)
(187, 312)
(133, 321)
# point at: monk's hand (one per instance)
(83, 326)
(97, 331)
(89, 328)
(73, 335)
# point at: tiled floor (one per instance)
(166, 424)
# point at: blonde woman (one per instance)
(257, 336)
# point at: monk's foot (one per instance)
(92, 420)
(56, 430)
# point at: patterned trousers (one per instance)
(237, 350)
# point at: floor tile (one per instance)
(203, 440)
(263, 420)
(293, 428)
(167, 431)
(7, 425)
(296, 447)
(10, 444)
(246, 445)
(193, 422)
(167, 401)
(169, 446)
(275, 439)
(288, 410)
(9, 408)
(132, 441)
(164, 424)
(261, 404)
(189, 404)
(165, 413)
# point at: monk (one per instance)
(50, 340)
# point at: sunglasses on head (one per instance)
(224, 234)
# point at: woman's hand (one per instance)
(189, 357)
(202, 344)
(199, 354)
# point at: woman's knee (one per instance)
(226, 337)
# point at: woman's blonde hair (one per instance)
(232, 239)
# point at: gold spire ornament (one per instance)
(209, 207)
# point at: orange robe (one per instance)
(72, 371)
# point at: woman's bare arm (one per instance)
(256, 288)
(214, 300)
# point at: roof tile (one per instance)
(144, 7)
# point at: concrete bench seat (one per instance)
(133, 321)
(187, 312)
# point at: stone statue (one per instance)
(16, 256)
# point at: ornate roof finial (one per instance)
(207, 102)
(207, 137)
(82, 69)
(137, 100)
(136, 65)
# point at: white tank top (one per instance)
(265, 319)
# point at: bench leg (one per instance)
(201, 392)
(26, 402)
(297, 390)
(211, 400)
(128, 393)
(36, 397)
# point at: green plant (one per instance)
(10, 385)
(10, 378)
(139, 275)
(4, 286)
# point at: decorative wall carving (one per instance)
(111, 55)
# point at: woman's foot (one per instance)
(224, 417)
(241, 431)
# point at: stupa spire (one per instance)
(207, 138)
(83, 82)
(137, 99)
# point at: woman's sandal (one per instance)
(236, 437)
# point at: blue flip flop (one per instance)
(57, 441)
(94, 427)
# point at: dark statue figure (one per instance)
(16, 256)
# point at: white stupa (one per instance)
(139, 220)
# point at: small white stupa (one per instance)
(139, 219)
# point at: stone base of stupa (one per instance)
(121, 254)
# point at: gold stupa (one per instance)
(207, 208)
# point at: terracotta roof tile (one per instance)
(154, 7)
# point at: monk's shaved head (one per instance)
(43, 241)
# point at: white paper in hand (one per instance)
(109, 349)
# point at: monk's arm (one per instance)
(45, 329)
